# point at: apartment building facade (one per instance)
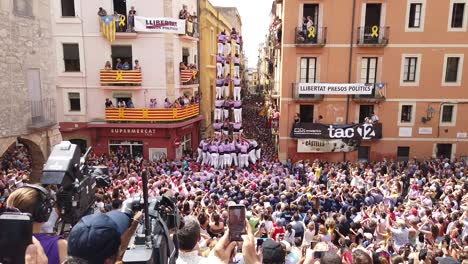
(382, 60)
(86, 41)
(28, 111)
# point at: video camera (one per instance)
(76, 181)
(152, 241)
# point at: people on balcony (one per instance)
(137, 66)
(297, 119)
(374, 118)
(118, 26)
(126, 66)
(121, 104)
(109, 103)
(153, 103)
(183, 14)
(319, 120)
(167, 104)
(130, 104)
(108, 66)
(131, 19)
(102, 12)
(119, 65)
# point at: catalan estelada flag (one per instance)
(108, 27)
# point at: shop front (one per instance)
(152, 141)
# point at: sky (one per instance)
(255, 16)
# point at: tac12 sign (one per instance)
(323, 131)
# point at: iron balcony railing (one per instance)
(165, 115)
(304, 97)
(315, 36)
(378, 94)
(373, 36)
(43, 113)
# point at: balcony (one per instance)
(316, 37)
(112, 29)
(378, 94)
(191, 31)
(152, 115)
(120, 78)
(42, 113)
(297, 96)
(373, 36)
(188, 78)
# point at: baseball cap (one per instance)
(97, 237)
(273, 252)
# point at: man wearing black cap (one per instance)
(273, 252)
(96, 238)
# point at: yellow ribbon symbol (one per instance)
(121, 113)
(375, 32)
(174, 113)
(119, 76)
(312, 32)
(122, 21)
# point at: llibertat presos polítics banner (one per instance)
(334, 88)
(159, 25)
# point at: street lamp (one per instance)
(429, 114)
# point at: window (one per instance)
(71, 57)
(68, 8)
(124, 53)
(406, 115)
(458, 14)
(74, 100)
(306, 113)
(451, 70)
(308, 70)
(186, 143)
(447, 113)
(409, 70)
(415, 11)
(185, 55)
(369, 70)
(363, 153)
(23, 8)
(365, 111)
(403, 153)
(212, 42)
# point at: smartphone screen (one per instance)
(15, 236)
(236, 222)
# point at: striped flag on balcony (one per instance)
(185, 75)
(108, 27)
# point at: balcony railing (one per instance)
(189, 77)
(191, 30)
(42, 113)
(121, 77)
(164, 115)
(304, 97)
(378, 94)
(313, 37)
(373, 36)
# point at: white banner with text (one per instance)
(334, 88)
(159, 25)
(310, 145)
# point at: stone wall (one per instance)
(26, 43)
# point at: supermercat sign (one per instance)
(334, 88)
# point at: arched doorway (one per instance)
(26, 151)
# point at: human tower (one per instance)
(228, 147)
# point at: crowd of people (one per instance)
(309, 211)
(125, 66)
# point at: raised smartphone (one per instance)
(236, 222)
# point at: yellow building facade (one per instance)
(212, 23)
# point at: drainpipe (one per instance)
(350, 63)
(198, 45)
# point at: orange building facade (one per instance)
(410, 53)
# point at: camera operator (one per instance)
(101, 238)
(35, 200)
